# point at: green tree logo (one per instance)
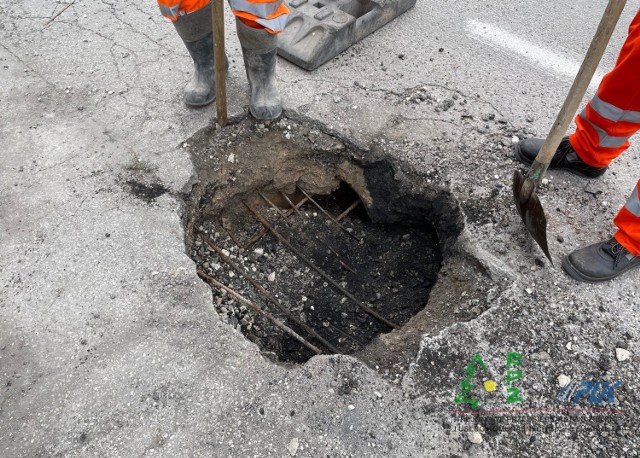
(466, 385)
(514, 373)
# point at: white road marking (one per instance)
(543, 57)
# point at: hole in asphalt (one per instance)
(310, 244)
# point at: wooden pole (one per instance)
(219, 59)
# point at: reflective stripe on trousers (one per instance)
(270, 14)
(172, 9)
(261, 10)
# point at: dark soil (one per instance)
(145, 192)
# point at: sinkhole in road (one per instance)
(311, 244)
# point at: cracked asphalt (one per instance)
(109, 342)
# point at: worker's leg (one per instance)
(193, 22)
(258, 22)
(606, 260)
(613, 115)
(605, 125)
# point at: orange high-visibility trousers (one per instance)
(607, 122)
(261, 14)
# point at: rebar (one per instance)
(212, 281)
(286, 197)
(207, 241)
(329, 247)
(229, 233)
(328, 215)
(275, 207)
(345, 213)
(330, 280)
(265, 231)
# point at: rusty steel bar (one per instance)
(265, 231)
(289, 202)
(266, 294)
(231, 236)
(345, 213)
(212, 281)
(275, 207)
(329, 247)
(330, 280)
(328, 215)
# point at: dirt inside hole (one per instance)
(371, 299)
(388, 268)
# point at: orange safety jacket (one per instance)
(607, 122)
(263, 14)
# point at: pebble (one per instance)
(563, 380)
(622, 354)
(514, 139)
(541, 356)
(231, 158)
(259, 251)
(351, 407)
(272, 276)
(474, 437)
(293, 446)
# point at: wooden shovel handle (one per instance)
(219, 60)
(580, 84)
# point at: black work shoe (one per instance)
(600, 262)
(565, 157)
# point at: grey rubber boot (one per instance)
(259, 49)
(195, 29)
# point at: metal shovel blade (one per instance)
(530, 209)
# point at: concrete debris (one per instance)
(563, 380)
(293, 446)
(474, 437)
(622, 354)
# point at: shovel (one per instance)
(219, 60)
(524, 187)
